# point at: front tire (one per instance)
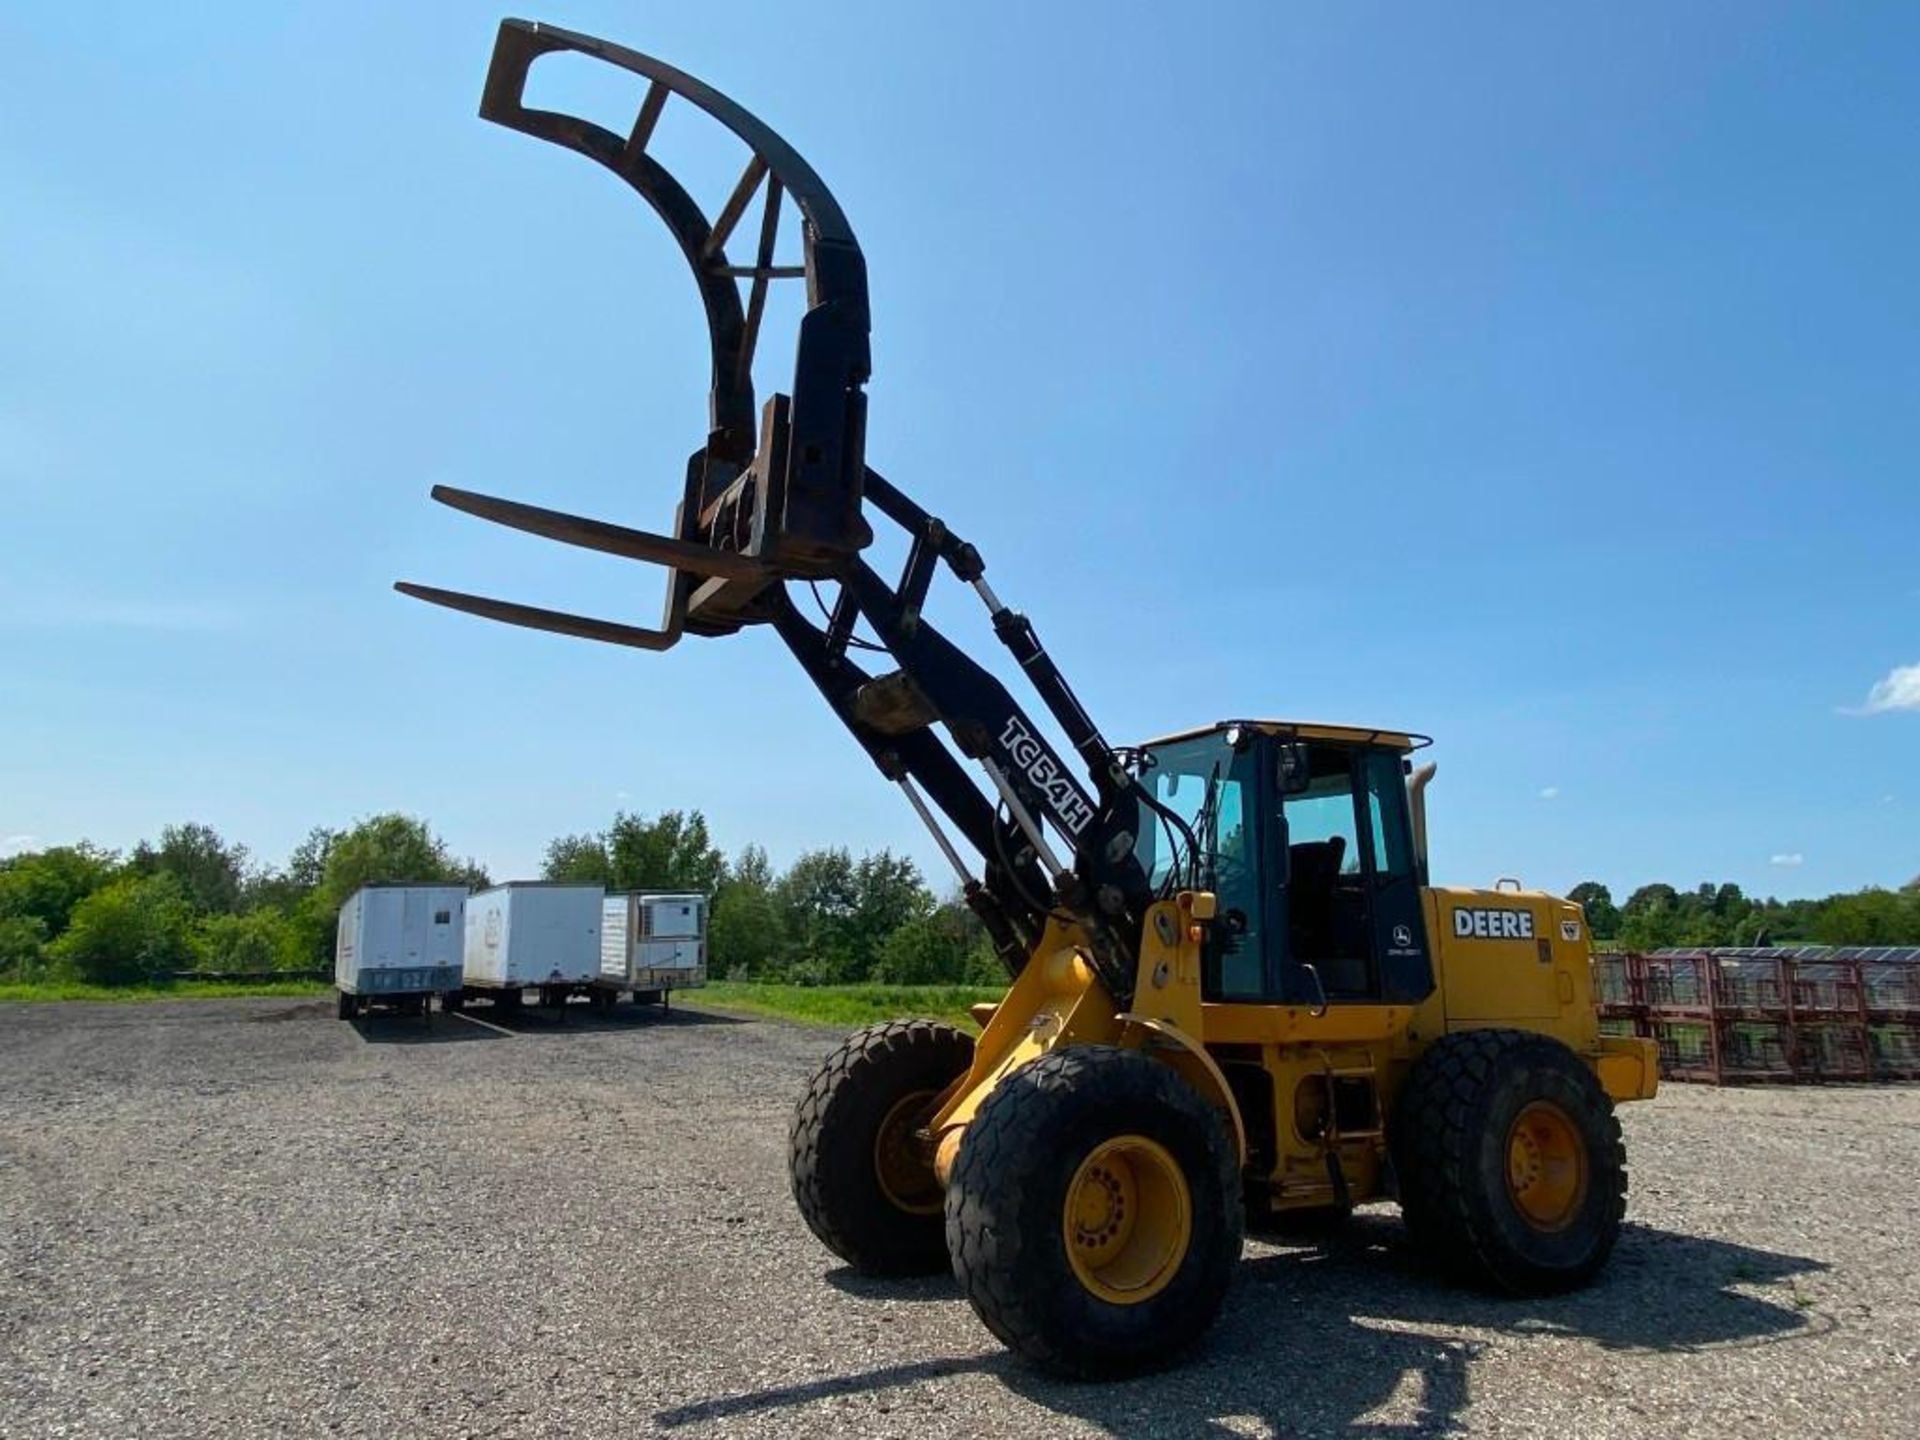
(1512, 1173)
(861, 1175)
(1094, 1213)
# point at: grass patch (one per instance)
(31, 991)
(845, 1007)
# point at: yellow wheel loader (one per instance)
(1234, 992)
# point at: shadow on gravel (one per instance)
(1319, 1336)
(911, 1290)
(380, 1029)
(306, 1010)
(540, 1022)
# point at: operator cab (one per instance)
(1305, 833)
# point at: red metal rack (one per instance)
(1805, 1014)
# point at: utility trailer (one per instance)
(531, 935)
(398, 946)
(651, 944)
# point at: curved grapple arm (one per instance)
(776, 497)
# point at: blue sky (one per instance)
(1543, 380)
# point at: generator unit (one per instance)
(651, 944)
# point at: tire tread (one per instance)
(988, 1198)
(829, 1202)
(1434, 1141)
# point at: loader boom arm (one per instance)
(775, 503)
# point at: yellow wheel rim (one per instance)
(1129, 1220)
(902, 1160)
(1546, 1166)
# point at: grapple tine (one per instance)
(604, 536)
(534, 618)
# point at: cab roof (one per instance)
(1308, 730)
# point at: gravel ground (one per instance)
(245, 1218)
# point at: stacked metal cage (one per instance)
(1802, 1014)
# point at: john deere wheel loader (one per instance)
(1233, 988)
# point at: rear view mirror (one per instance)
(1295, 773)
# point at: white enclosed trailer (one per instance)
(398, 945)
(532, 934)
(652, 943)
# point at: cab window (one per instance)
(1324, 816)
(1210, 789)
(1327, 916)
(1387, 813)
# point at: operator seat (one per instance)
(1313, 868)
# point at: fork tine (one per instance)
(534, 618)
(604, 536)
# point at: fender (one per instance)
(1196, 1066)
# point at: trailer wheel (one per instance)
(1512, 1173)
(453, 1002)
(862, 1177)
(347, 1007)
(1094, 1213)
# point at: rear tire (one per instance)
(1512, 1173)
(864, 1187)
(1094, 1213)
(347, 1007)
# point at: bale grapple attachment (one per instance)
(776, 495)
(767, 497)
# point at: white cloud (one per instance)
(1899, 691)
(1551, 792)
(1788, 861)
(14, 844)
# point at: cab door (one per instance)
(1396, 915)
(1351, 927)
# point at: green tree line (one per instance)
(828, 919)
(1656, 916)
(194, 901)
